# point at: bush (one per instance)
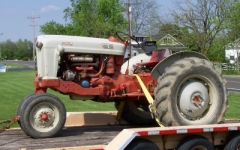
(25, 59)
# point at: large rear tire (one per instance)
(191, 92)
(136, 114)
(44, 116)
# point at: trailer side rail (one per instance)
(127, 135)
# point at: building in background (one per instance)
(167, 42)
(232, 51)
(170, 43)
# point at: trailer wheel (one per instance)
(191, 92)
(142, 144)
(44, 116)
(233, 142)
(136, 114)
(22, 105)
(195, 142)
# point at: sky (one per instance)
(14, 22)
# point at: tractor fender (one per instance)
(158, 70)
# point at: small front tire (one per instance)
(44, 116)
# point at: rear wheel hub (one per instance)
(193, 100)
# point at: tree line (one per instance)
(21, 50)
(205, 26)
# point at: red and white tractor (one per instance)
(186, 87)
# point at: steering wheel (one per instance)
(123, 40)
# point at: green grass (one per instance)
(14, 86)
(234, 104)
(230, 72)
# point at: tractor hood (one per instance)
(79, 44)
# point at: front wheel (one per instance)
(191, 92)
(44, 116)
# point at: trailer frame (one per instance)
(170, 137)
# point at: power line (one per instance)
(33, 17)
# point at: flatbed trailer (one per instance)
(200, 137)
(114, 137)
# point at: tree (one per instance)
(217, 52)
(53, 27)
(94, 18)
(144, 16)
(173, 29)
(204, 20)
(16, 50)
(110, 16)
(233, 21)
(8, 49)
(232, 28)
(24, 49)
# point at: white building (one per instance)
(232, 51)
(170, 43)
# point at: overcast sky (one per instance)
(14, 13)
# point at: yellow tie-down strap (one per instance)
(150, 100)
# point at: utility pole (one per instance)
(33, 17)
(129, 18)
(1, 49)
(129, 25)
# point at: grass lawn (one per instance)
(14, 86)
(233, 111)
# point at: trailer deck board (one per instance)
(69, 137)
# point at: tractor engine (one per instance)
(75, 58)
(82, 68)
